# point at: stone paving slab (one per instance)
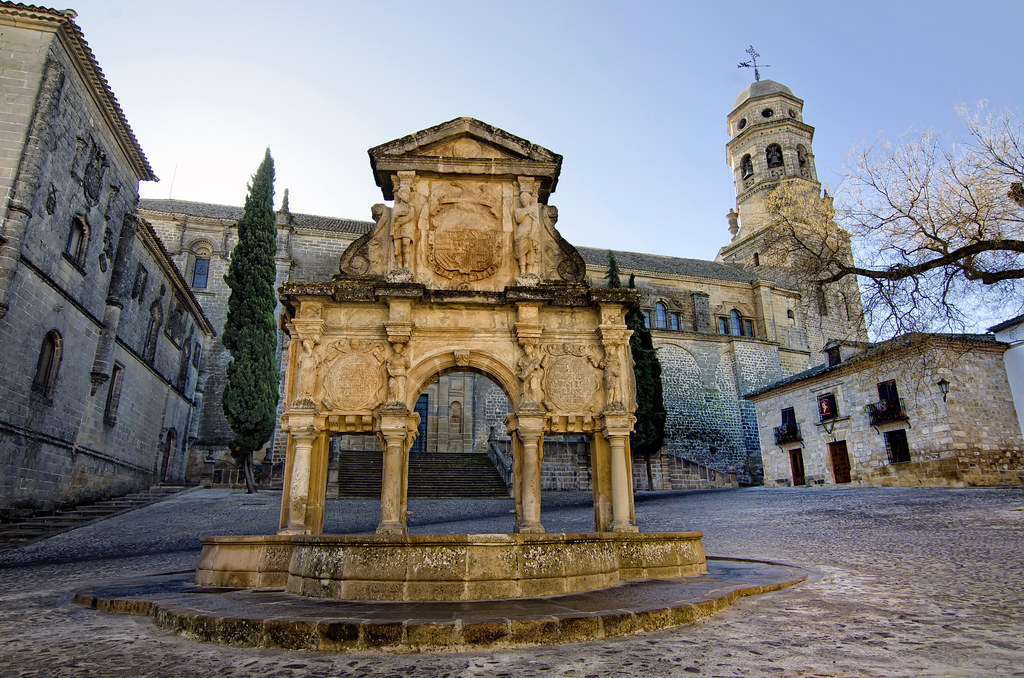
(906, 583)
(275, 618)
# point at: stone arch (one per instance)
(425, 371)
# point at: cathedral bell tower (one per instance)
(769, 142)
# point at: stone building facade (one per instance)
(921, 409)
(722, 327)
(1011, 332)
(103, 339)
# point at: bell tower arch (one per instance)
(768, 142)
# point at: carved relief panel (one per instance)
(354, 375)
(571, 379)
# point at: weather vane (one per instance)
(753, 63)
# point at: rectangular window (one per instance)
(200, 273)
(897, 447)
(748, 328)
(827, 407)
(77, 236)
(113, 394)
(789, 417)
(834, 358)
(887, 392)
(723, 326)
(647, 319)
(673, 321)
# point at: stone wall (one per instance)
(970, 438)
(100, 425)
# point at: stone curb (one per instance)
(273, 618)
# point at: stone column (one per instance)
(530, 432)
(393, 434)
(303, 432)
(600, 478)
(616, 431)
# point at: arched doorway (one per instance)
(170, 442)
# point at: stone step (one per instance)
(48, 524)
(430, 475)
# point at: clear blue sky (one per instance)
(634, 95)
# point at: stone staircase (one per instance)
(430, 475)
(40, 526)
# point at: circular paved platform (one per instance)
(275, 618)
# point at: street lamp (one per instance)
(944, 388)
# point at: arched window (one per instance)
(660, 316)
(735, 323)
(48, 363)
(773, 154)
(801, 155)
(746, 167)
(78, 238)
(200, 253)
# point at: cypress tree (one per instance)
(612, 276)
(250, 334)
(649, 432)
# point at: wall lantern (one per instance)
(944, 388)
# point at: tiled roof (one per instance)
(1007, 323)
(880, 347)
(75, 40)
(205, 210)
(655, 263)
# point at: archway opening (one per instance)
(461, 448)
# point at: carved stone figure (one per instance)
(309, 361)
(398, 365)
(530, 373)
(527, 232)
(612, 373)
(403, 225)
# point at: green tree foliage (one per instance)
(649, 432)
(250, 335)
(612, 276)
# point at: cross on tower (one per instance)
(753, 63)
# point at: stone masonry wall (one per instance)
(66, 444)
(971, 438)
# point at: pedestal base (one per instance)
(446, 567)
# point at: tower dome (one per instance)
(761, 88)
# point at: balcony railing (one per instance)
(886, 411)
(787, 433)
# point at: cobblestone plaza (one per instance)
(905, 582)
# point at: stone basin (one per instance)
(446, 567)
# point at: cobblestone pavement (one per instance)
(908, 582)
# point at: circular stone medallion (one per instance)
(353, 382)
(570, 384)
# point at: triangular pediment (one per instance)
(464, 146)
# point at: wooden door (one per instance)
(796, 460)
(840, 461)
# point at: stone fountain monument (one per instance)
(465, 271)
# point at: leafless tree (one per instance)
(937, 228)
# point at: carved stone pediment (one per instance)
(465, 145)
(470, 212)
